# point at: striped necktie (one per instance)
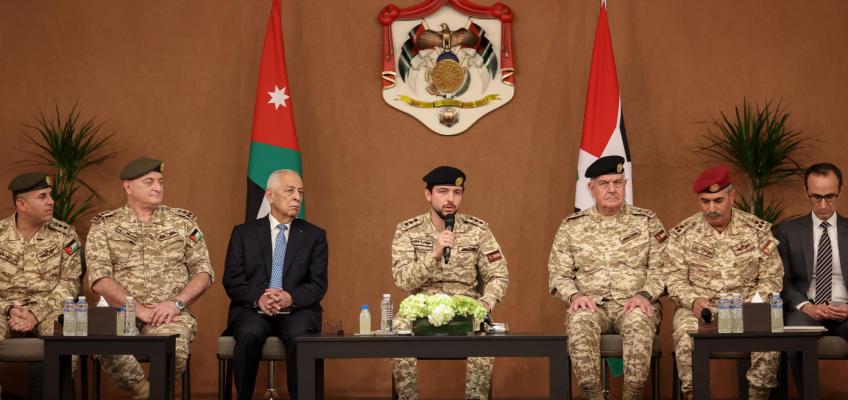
(824, 267)
(279, 257)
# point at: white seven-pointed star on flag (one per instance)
(278, 97)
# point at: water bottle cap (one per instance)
(81, 298)
(386, 295)
(120, 309)
(364, 307)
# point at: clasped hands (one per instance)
(21, 319)
(274, 300)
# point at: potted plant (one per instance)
(68, 146)
(440, 314)
(758, 141)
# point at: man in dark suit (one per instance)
(814, 250)
(275, 275)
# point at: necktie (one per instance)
(279, 258)
(824, 267)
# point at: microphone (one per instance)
(448, 227)
(707, 315)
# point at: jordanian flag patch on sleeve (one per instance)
(72, 247)
(196, 235)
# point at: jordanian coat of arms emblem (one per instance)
(447, 62)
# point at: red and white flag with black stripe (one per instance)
(603, 121)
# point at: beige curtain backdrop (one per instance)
(177, 79)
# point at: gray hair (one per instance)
(274, 178)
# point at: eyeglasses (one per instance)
(604, 185)
(817, 198)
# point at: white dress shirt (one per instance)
(838, 290)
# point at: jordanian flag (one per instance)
(603, 121)
(273, 143)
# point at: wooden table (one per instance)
(312, 350)
(710, 341)
(58, 351)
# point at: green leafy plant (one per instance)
(68, 146)
(439, 309)
(758, 141)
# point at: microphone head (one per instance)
(449, 221)
(707, 315)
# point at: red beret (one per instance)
(712, 180)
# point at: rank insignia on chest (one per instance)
(46, 254)
(703, 250)
(630, 236)
(9, 257)
(71, 247)
(196, 235)
(126, 232)
(742, 248)
(494, 256)
(163, 236)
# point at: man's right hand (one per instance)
(582, 302)
(144, 313)
(445, 239)
(818, 312)
(699, 304)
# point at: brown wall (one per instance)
(176, 80)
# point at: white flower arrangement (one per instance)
(440, 309)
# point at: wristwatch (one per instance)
(180, 305)
(645, 294)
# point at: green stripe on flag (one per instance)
(265, 159)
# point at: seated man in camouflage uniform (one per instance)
(39, 261)
(720, 249)
(157, 255)
(476, 268)
(606, 265)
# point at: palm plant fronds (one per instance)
(67, 146)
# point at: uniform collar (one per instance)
(14, 234)
(458, 225)
(157, 218)
(624, 210)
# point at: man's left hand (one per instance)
(164, 313)
(640, 302)
(22, 320)
(280, 299)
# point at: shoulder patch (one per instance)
(410, 223)
(181, 212)
(753, 221)
(103, 216)
(679, 229)
(474, 221)
(61, 227)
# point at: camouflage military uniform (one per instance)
(38, 274)
(701, 262)
(153, 261)
(477, 269)
(609, 259)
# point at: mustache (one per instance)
(712, 214)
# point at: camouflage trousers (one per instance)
(637, 332)
(761, 375)
(478, 373)
(126, 371)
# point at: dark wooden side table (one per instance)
(58, 351)
(312, 350)
(707, 341)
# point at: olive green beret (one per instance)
(30, 181)
(140, 167)
(445, 175)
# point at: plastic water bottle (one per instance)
(364, 320)
(386, 313)
(130, 328)
(82, 317)
(121, 322)
(776, 313)
(69, 326)
(738, 325)
(724, 318)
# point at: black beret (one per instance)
(445, 175)
(606, 165)
(30, 181)
(140, 167)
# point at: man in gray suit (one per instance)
(814, 250)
